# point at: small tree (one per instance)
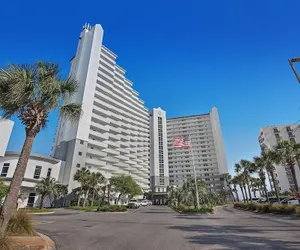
(82, 176)
(31, 92)
(46, 187)
(60, 192)
(125, 185)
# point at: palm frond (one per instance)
(68, 87)
(71, 111)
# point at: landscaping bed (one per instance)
(86, 209)
(112, 208)
(192, 210)
(20, 234)
(36, 210)
(269, 208)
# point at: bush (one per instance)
(282, 209)
(88, 209)
(112, 208)
(36, 210)
(268, 208)
(189, 209)
(20, 223)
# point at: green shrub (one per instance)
(189, 209)
(297, 210)
(112, 208)
(252, 206)
(88, 209)
(282, 209)
(20, 223)
(36, 210)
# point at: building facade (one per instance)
(208, 149)
(112, 135)
(269, 138)
(6, 127)
(38, 167)
(159, 167)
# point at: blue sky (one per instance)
(184, 56)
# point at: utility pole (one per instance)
(294, 60)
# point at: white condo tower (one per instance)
(112, 136)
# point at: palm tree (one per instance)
(95, 180)
(260, 165)
(241, 182)
(234, 181)
(227, 178)
(46, 187)
(82, 176)
(31, 92)
(286, 153)
(245, 167)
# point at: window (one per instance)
(79, 153)
(31, 199)
(49, 172)
(78, 165)
(37, 172)
(81, 141)
(4, 170)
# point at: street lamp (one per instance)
(294, 60)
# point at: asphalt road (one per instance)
(160, 228)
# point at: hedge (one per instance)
(189, 209)
(269, 208)
(112, 208)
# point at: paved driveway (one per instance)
(160, 228)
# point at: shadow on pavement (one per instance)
(239, 237)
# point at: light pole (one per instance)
(294, 60)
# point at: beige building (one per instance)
(269, 138)
(207, 142)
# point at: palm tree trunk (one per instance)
(13, 192)
(42, 201)
(246, 195)
(86, 196)
(275, 185)
(249, 190)
(78, 202)
(119, 197)
(292, 168)
(93, 198)
(265, 189)
(242, 193)
(231, 192)
(108, 194)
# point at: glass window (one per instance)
(49, 172)
(79, 153)
(5, 170)
(37, 172)
(78, 165)
(31, 199)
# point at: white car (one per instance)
(294, 201)
(149, 203)
(133, 203)
(144, 203)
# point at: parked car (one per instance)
(144, 203)
(133, 203)
(149, 203)
(286, 200)
(294, 201)
(255, 199)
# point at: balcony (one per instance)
(96, 152)
(111, 151)
(122, 157)
(100, 135)
(110, 159)
(98, 144)
(95, 162)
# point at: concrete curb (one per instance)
(49, 243)
(41, 213)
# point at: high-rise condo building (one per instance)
(159, 168)
(269, 138)
(112, 136)
(208, 149)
